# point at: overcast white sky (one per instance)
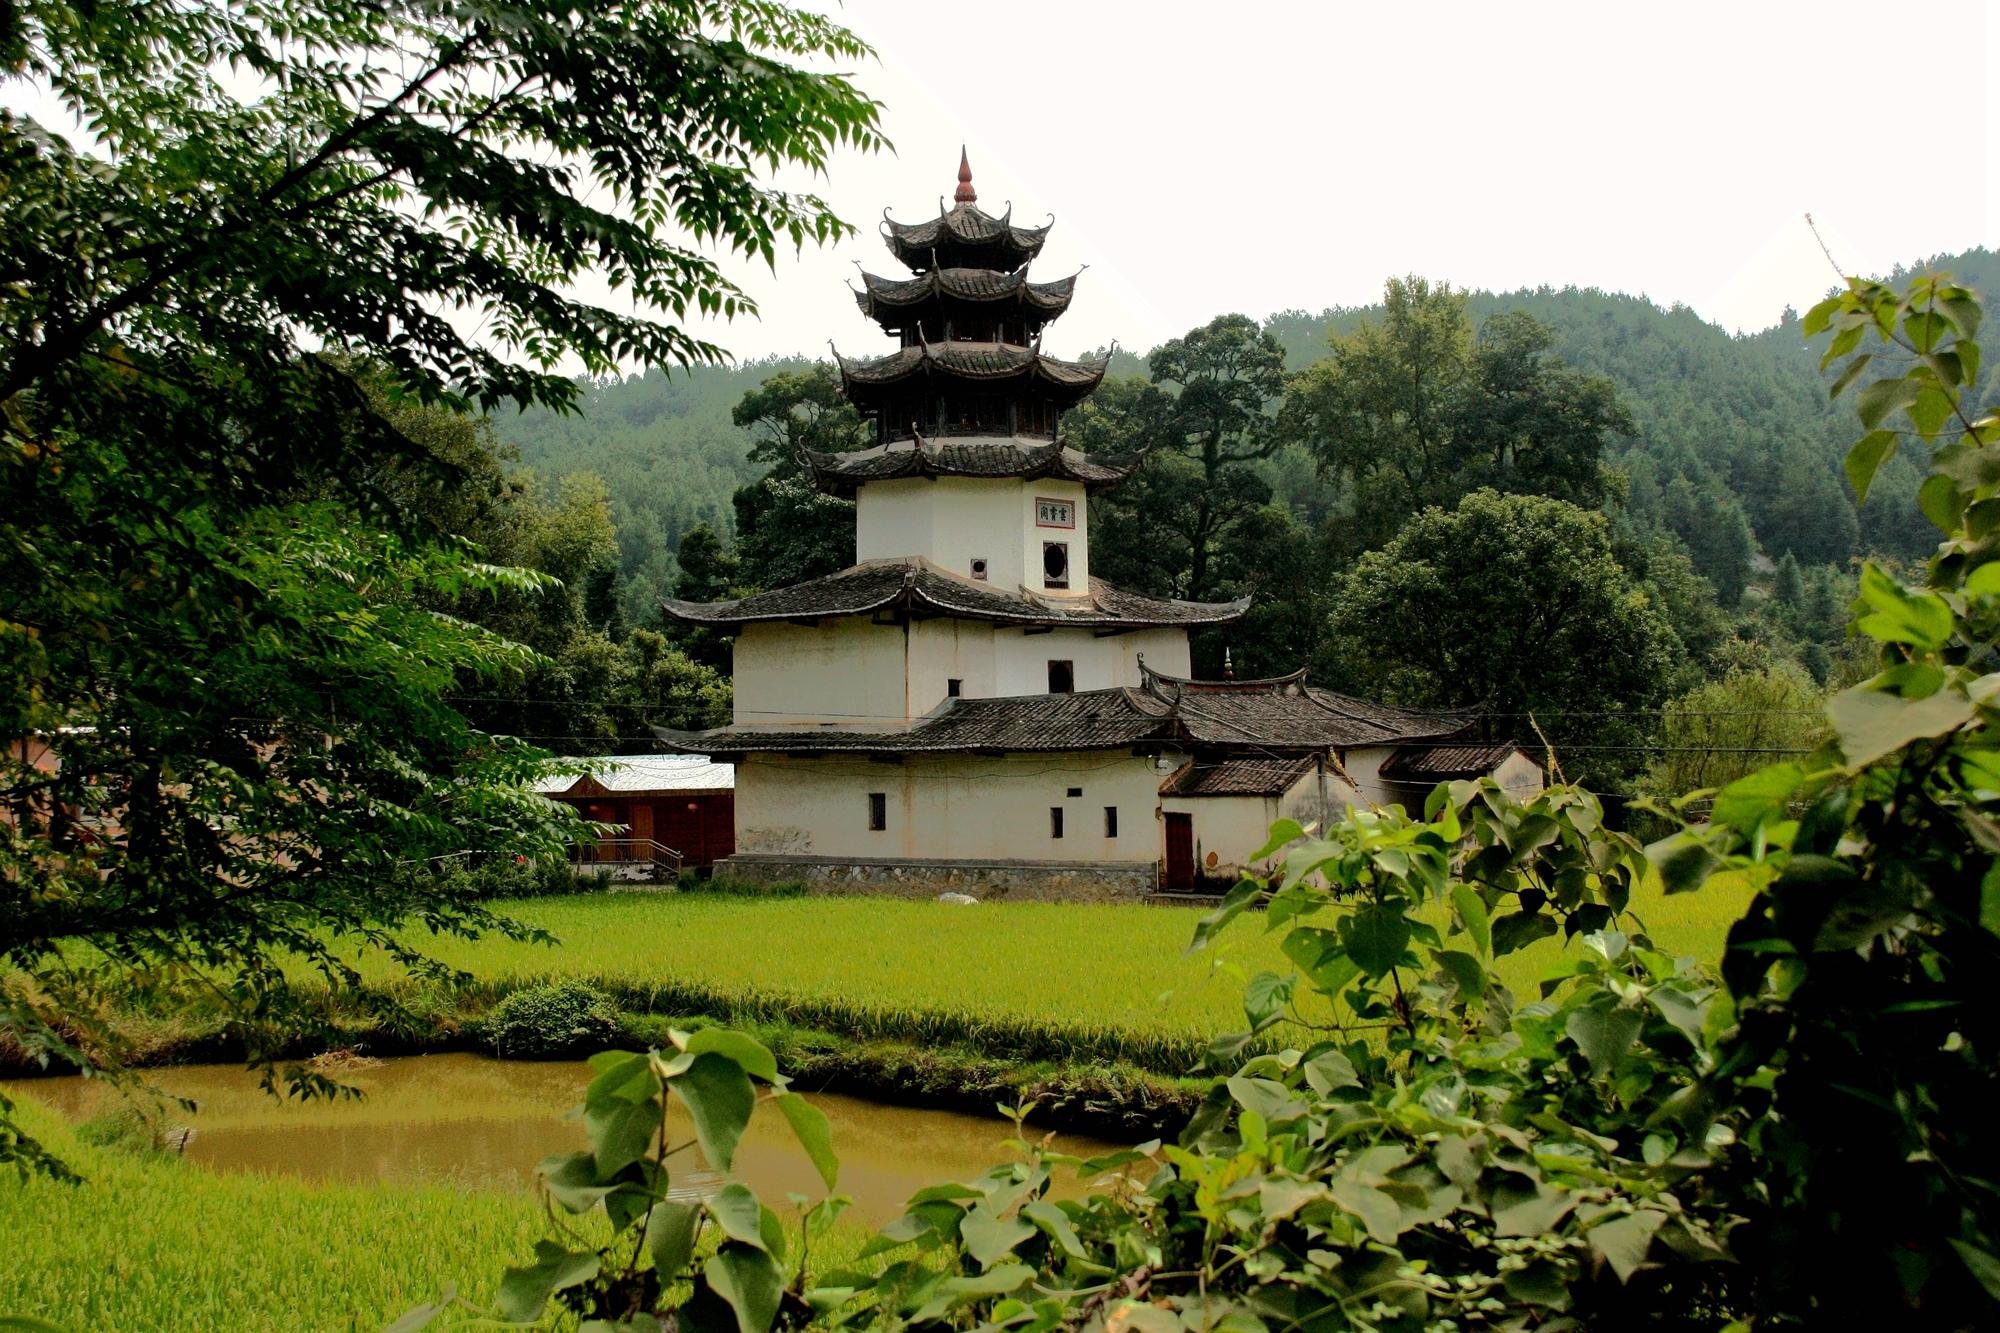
(1261, 156)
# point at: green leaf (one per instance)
(1523, 1209)
(619, 1132)
(1865, 459)
(1899, 615)
(750, 1281)
(1330, 1071)
(1989, 899)
(1472, 914)
(1517, 930)
(1265, 996)
(1604, 1035)
(736, 1210)
(1847, 376)
(746, 1051)
(989, 1238)
(1983, 1266)
(1876, 401)
(572, 1180)
(1683, 861)
(621, 1076)
(1267, 1097)
(1284, 832)
(814, 1133)
(1375, 938)
(1382, 1215)
(1873, 723)
(524, 1292)
(1056, 1222)
(670, 1230)
(1761, 798)
(719, 1098)
(1623, 1241)
(1465, 971)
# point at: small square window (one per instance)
(878, 811)
(1055, 821)
(1062, 676)
(979, 567)
(953, 687)
(1110, 821)
(1074, 791)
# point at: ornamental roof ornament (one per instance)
(965, 194)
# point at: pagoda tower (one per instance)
(966, 706)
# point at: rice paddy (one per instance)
(1040, 981)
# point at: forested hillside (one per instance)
(666, 450)
(1730, 431)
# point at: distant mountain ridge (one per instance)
(1722, 420)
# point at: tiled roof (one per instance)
(626, 773)
(980, 362)
(966, 227)
(1237, 777)
(1211, 714)
(972, 456)
(1436, 763)
(964, 284)
(1285, 706)
(914, 584)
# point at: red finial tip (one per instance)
(965, 193)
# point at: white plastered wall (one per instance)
(952, 521)
(847, 672)
(950, 807)
(1021, 660)
(1232, 827)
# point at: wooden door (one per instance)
(1180, 853)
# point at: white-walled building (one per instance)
(967, 706)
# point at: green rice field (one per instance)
(1048, 981)
(154, 1243)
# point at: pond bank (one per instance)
(482, 1124)
(1111, 1100)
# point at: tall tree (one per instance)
(1224, 375)
(1412, 409)
(1513, 604)
(247, 692)
(786, 531)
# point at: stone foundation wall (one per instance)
(1018, 881)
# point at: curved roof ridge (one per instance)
(914, 583)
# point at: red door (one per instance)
(1180, 853)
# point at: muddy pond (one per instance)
(483, 1123)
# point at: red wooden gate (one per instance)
(1180, 853)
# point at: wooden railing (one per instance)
(662, 861)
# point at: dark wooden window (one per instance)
(1110, 821)
(1055, 564)
(1074, 791)
(1062, 676)
(1055, 821)
(878, 811)
(953, 687)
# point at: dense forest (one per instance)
(1712, 462)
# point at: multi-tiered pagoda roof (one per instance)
(970, 324)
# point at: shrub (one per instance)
(541, 1022)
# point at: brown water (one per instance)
(482, 1123)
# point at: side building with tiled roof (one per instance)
(966, 706)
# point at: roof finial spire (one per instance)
(965, 193)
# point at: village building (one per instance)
(670, 813)
(967, 707)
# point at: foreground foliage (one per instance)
(1806, 1140)
(226, 675)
